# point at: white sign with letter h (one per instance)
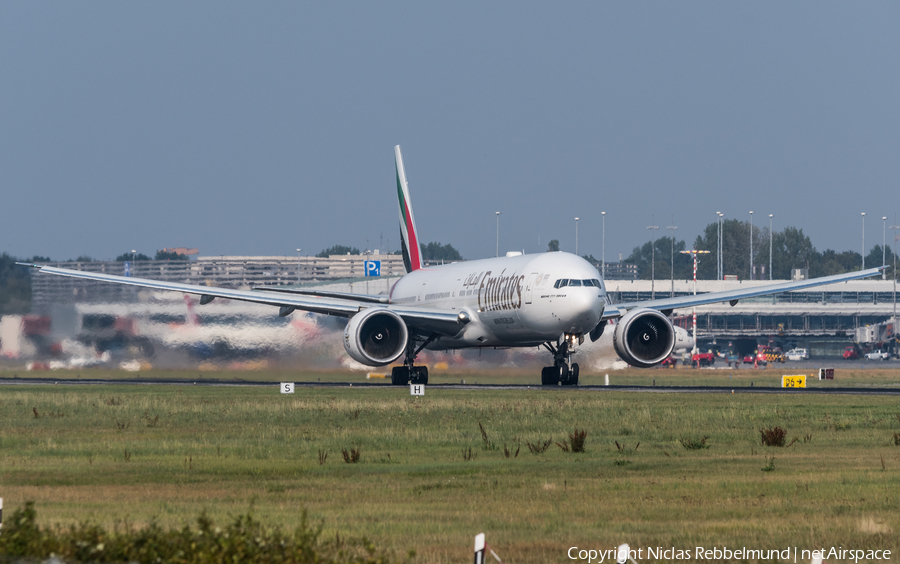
(417, 389)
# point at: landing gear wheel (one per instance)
(400, 376)
(563, 372)
(573, 375)
(419, 375)
(549, 376)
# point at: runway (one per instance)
(474, 387)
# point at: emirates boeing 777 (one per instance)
(553, 300)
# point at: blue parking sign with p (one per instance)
(373, 268)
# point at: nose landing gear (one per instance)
(563, 372)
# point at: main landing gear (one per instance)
(409, 374)
(563, 372)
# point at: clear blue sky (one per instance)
(257, 128)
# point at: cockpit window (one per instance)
(563, 282)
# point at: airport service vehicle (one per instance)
(551, 300)
(703, 359)
(797, 354)
(732, 359)
(772, 354)
(850, 353)
(878, 355)
(670, 362)
(755, 358)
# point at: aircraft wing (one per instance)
(617, 310)
(428, 320)
(370, 298)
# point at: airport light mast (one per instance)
(672, 228)
(694, 253)
(652, 228)
(576, 236)
(603, 252)
(751, 245)
(720, 269)
(895, 228)
(863, 240)
(770, 246)
(498, 233)
(883, 241)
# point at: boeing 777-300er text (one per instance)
(551, 299)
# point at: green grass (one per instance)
(164, 453)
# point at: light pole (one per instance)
(719, 245)
(576, 236)
(672, 228)
(751, 245)
(883, 241)
(770, 246)
(652, 228)
(863, 240)
(603, 252)
(694, 254)
(895, 228)
(498, 234)
(298, 265)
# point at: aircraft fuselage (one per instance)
(511, 301)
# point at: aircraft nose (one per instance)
(587, 308)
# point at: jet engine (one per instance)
(375, 337)
(644, 337)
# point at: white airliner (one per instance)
(552, 300)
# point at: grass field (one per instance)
(428, 480)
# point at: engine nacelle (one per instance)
(644, 337)
(375, 336)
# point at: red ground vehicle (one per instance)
(670, 362)
(704, 359)
(850, 353)
(758, 357)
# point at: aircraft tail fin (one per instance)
(409, 236)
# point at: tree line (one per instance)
(791, 248)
